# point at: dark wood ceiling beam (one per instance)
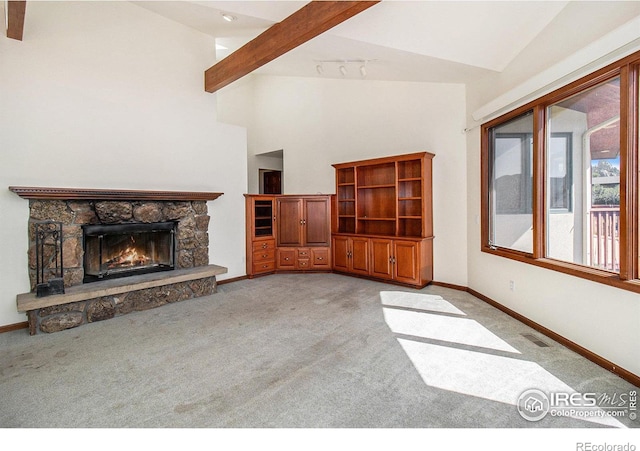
(311, 20)
(15, 19)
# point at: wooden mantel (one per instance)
(31, 192)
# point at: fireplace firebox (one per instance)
(120, 250)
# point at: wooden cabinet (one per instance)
(288, 233)
(398, 260)
(351, 254)
(303, 221)
(389, 202)
(260, 234)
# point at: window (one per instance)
(511, 153)
(555, 189)
(588, 235)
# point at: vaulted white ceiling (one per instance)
(436, 41)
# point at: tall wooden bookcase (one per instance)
(382, 220)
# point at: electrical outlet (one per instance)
(512, 285)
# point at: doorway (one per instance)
(271, 181)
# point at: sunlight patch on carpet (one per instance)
(455, 330)
(470, 372)
(427, 302)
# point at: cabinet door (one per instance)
(289, 222)
(340, 251)
(263, 217)
(407, 261)
(359, 255)
(316, 222)
(381, 258)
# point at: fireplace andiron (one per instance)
(49, 258)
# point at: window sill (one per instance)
(592, 274)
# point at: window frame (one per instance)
(568, 190)
(628, 69)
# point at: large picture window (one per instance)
(560, 185)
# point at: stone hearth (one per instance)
(77, 207)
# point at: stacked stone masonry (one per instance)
(192, 238)
(192, 250)
(66, 316)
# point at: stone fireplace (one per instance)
(145, 248)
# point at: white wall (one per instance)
(602, 319)
(318, 122)
(109, 95)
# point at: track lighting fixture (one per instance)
(228, 17)
(343, 66)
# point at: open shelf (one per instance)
(376, 226)
(410, 169)
(384, 196)
(387, 185)
(345, 176)
(376, 175)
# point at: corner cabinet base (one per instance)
(399, 260)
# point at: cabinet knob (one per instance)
(286, 259)
(320, 258)
(265, 255)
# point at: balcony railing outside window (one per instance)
(604, 243)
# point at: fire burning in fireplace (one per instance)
(127, 249)
(128, 257)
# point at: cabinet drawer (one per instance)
(303, 263)
(286, 258)
(265, 266)
(264, 245)
(320, 259)
(264, 255)
(304, 253)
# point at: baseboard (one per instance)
(233, 279)
(449, 285)
(589, 355)
(12, 327)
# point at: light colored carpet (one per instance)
(294, 351)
